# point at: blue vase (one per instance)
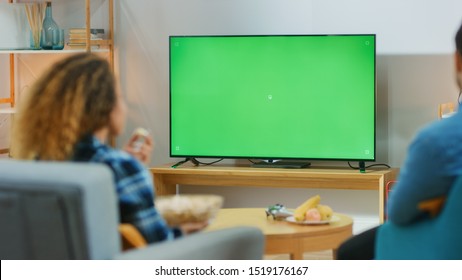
(48, 28)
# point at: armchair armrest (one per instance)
(433, 206)
(237, 243)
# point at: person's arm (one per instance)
(147, 219)
(136, 201)
(424, 175)
(142, 152)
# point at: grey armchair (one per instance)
(69, 211)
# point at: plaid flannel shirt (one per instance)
(134, 188)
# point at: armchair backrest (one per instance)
(432, 238)
(51, 210)
(448, 225)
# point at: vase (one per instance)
(35, 39)
(58, 39)
(35, 13)
(49, 27)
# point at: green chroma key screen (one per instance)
(273, 97)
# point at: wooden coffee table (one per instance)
(282, 237)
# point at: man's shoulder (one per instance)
(450, 127)
(440, 138)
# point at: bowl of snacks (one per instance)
(188, 208)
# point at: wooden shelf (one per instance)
(102, 50)
(7, 110)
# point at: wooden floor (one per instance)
(321, 255)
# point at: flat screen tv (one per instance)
(272, 97)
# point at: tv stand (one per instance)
(281, 164)
(167, 178)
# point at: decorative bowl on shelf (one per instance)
(180, 209)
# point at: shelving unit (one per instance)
(108, 48)
(50, 51)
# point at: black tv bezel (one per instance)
(193, 156)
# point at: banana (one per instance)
(325, 211)
(312, 202)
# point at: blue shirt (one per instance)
(433, 163)
(134, 189)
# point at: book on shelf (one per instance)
(84, 41)
(78, 38)
(81, 33)
(84, 30)
(80, 47)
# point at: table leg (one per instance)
(334, 254)
(381, 203)
(297, 254)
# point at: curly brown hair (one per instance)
(459, 40)
(72, 99)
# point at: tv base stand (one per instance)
(193, 160)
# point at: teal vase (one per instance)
(48, 28)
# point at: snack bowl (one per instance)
(186, 208)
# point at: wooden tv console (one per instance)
(166, 178)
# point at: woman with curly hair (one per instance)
(68, 115)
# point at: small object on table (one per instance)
(278, 211)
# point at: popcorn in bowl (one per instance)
(180, 209)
